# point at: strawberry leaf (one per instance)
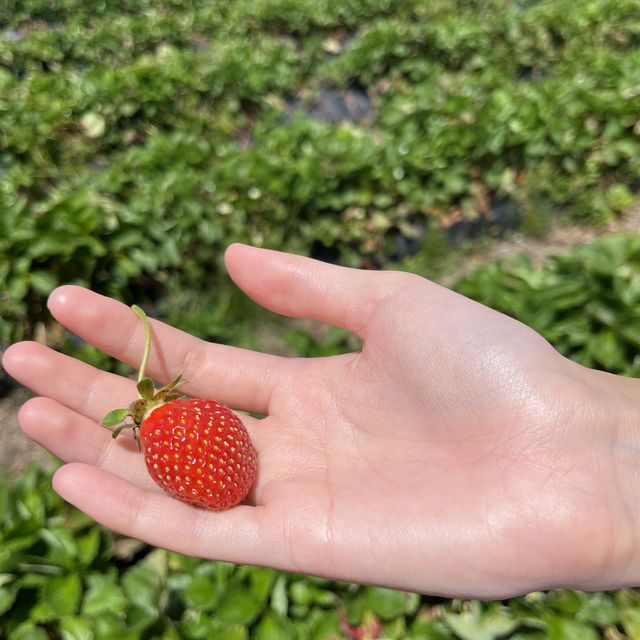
(145, 389)
(115, 417)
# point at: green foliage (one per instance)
(331, 341)
(62, 576)
(586, 303)
(137, 140)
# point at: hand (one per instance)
(456, 454)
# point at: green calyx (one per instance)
(148, 397)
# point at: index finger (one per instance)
(237, 377)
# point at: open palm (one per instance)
(454, 454)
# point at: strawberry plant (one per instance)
(586, 303)
(211, 120)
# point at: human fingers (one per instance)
(77, 385)
(237, 377)
(236, 535)
(306, 288)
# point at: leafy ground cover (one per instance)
(138, 139)
(585, 303)
(61, 575)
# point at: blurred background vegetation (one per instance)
(138, 139)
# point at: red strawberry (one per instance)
(196, 450)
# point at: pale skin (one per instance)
(456, 454)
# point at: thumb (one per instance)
(305, 288)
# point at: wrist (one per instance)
(610, 431)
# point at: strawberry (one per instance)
(196, 450)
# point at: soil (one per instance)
(17, 450)
(558, 239)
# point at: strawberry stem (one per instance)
(147, 340)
